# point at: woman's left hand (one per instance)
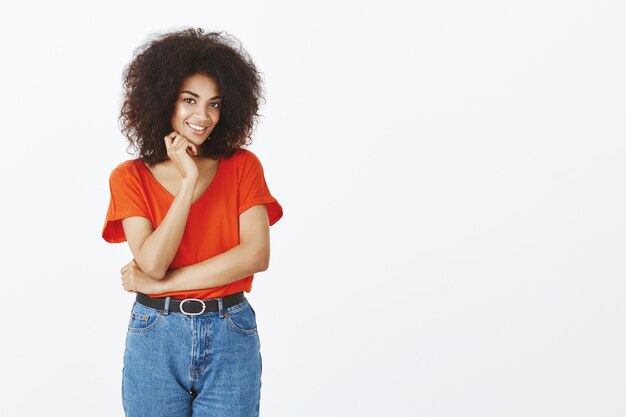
(135, 280)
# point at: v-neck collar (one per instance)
(172, 196)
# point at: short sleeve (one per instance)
(253, 189)
(127, 200)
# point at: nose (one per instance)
(203, 112)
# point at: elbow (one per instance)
(262, 265)
(157, 272)
(152, 270)
(257, 257)
(152, 267)
(262, 260)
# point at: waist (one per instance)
(190, 306)
(244, 284)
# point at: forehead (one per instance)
(201, 84)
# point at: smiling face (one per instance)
(197, 108)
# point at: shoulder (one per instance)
(243, 153)
(127, 166)
(245, 157)
(125, 170)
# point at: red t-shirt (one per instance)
(213, 222)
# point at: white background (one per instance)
(452, 175)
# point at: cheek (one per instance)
(179, 115)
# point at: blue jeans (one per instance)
(179, 365)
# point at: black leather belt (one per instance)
(190, 306)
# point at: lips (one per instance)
(197, 129)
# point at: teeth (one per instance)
(196, 127)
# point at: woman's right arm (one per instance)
(154, 249)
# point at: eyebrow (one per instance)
(195, 95)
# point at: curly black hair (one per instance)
(158, 69)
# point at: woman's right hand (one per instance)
(179, 150)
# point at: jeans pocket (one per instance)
(143, 319)
(242, 320)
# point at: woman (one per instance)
(195, 210)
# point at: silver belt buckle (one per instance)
(182, 310)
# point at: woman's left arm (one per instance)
(249, 257)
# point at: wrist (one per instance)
(189, 182)
(161, 285)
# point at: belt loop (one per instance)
(220, 307)
(167, 305)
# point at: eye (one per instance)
(215, 105)
(185, 100)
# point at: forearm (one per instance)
(159, 249)
(230, 266)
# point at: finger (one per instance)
(178, 139)
(170, 138)
(172, 143)
(180, 144)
